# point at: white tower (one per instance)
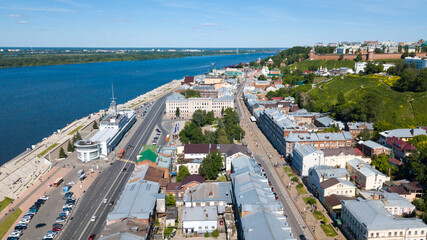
(113, 105)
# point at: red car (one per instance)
(92, 236)
(57, 229)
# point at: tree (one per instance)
(95, 125)
(77, 137)
(365, 135)
(221, 136)
(177, 112)
(62, 153)
(170, 200)
(262, 77)
(182, 173)
(215, 233)
(358, 58)
(199, 118)
(381, 163)
(210, 117)
(222, 111)
(399, 49)
(341, 57)
(70, 147)
(211, 165)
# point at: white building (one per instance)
(360, 66)
(306, 157)
(338, 187)
(199, 219)
(338, 157)
(365, 175)
(419, 62)
(188, 106)
(404, 133)
(369, 220)
(112, 128)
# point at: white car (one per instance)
(105, 200)
(25, 220)
(93, 218)
(44, 197)
(67, 206)
(71, 183)
(15, 233)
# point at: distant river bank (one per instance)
(36, 101)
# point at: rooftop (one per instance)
(305, 150)
(136, 201)
(364, 168)
(209, 191)
(334, 181)
(372, 144)
(403, 133)
(265, 225)
(193, 178)
(375, 217)
(205, 213)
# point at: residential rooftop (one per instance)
(266, 225)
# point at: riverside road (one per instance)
(111, 181)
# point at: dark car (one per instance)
(70, 201)
(302, 237)
(57, 225)
(20, 228)
(40, 225)
(111, 202)
(92, 236)
(12, 238)
(35, 207)
(124, 169)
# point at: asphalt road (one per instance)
(111, 181)
(293, 218)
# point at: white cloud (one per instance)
(15, 16)
(23, 22)
(209, 24)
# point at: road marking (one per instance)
(126, 160)
(133, 150)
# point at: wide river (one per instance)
(36, 101)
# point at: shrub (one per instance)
(294, 179)
(215, 233)
(206, 235)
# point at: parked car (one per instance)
(25, 220)
(67, 209)
(12, 238)
(67, 206)
(29, 215)
(57, 225)
(47, 238)
(20, 227)
(63, 214)
(45, 197)
(71, 183)
(40, 225)
(15, 233)
(57, 229)
(60, 219)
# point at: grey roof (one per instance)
(388, 199)
(375, 217)
(327, 136)
(367, 170)
(204, 213)
(123, 236)
(176, 97)
(305, 150)
(337, 151)
(136, 201)
(265, 225)
(403, 133)
(209, 192)
(357, 125)
(252, 193)
(244, 163)
(164, 162)
(371, 144)
(326, 121)
(330, 172)
(334, 181)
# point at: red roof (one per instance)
(395, 162)
(398, 143)
(276, 98)
(193, 178)
(358, 152)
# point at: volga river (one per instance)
(36, 101)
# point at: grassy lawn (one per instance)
(329, 231)
(75, 130)
(300, 189)
(318, 215)
(287, 169)
(291, 175)
(5, 203)
(48, 149)
(222, 179)
(309, 200)
(395, 106)
(9, 221)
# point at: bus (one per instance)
(167, 137)
(58, 182)
(121, 153)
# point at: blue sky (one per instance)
(207, 23)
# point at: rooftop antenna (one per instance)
(113, 105)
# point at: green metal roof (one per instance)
(147, 155)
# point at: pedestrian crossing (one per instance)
(125, 160)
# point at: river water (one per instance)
(36, 101)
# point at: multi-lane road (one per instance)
(111, 181)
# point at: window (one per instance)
(206, 227)
(378, 234)
(389, 234)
